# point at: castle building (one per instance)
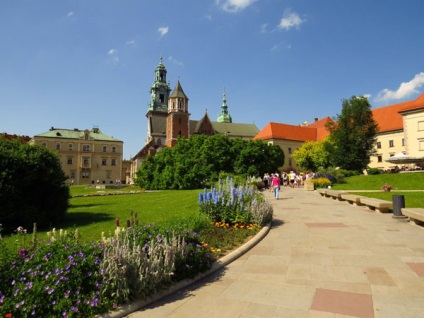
(168, 119)
(86, 156)
(401, 131)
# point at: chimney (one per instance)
(315, 119)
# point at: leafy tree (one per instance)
(313, 154)
(200, 159)
(353, 134)
(32, 185)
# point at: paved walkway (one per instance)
(321, 258)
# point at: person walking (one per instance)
(276, 185)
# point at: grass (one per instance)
(400, 182)
(92, 215)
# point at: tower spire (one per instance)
(224, 117)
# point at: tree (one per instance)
(32, 185)
(200, 159)
(353, 134)
(313, 154)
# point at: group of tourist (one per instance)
(274, 181)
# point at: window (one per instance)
(108, 174)
(403, 141)
(70, 147)
(86, 161)
(380, 158)
(290, 162)
(180, 133)
(85, 174)
(113, 149)
(44, 144)
(173, 105)
(180, 104)
(289, 150)
(104, 149)
(58, 146)
(73, 174)
(86, 148)
(70, 160)
(104, 162)
(391, 143)
(162, 98)
(180, 120)
(113, 162)
(378, 144)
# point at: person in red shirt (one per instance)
(276, 185)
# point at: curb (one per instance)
(217, 265)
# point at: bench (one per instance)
(352, 198)
(322, 192)
(379, 205)
(336, 195)
(415, 214)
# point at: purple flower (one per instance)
(50, 291)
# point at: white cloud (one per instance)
(405, 90)
(131, 42)
(235, 5)
(70, 14)
(163, 30)
(113, 53)
(175, 61)
(290, 20)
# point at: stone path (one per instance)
(321, 258)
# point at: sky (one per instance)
(90, 63)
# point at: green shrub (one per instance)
(373, 171)
(32, 186)
(321, 183)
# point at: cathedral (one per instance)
(168, 118)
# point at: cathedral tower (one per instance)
(157, 112)
(177, 120)
(224, 117)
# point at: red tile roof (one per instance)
(388, 117)
(287, 132)
(313, 132)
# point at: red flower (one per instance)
(117, 222)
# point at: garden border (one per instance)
(217, 265)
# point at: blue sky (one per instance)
(85, 63)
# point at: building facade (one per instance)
(401, 128)
(86, 156)
(167, 123)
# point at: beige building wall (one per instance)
(86, 160)
(288, 147)
(413, 123)
(388, 144)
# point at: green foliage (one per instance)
(313, 154)
(321, 183)
(32, 186)
(199, 160)
(336, 175)
(372, 171)
(353, 135)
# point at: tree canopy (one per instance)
(353, 134)
(199, 159)
(313, 155)
(31, 185)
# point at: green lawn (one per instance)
(402, 183)
(93, 215)
(399, 181)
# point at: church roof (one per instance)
(178, 92)
(95, 134)
(233, 130)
